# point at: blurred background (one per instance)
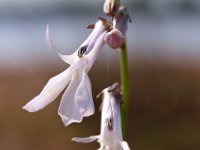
(164, 72)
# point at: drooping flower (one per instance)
(110, 137)
(116, 37)
(77, 101)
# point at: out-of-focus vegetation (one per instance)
(164, 108)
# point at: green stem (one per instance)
(124, 84)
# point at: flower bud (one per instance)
(110, 7)
(114, 38)
(120, 19)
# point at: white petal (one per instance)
(68, 110)
(124, 145)
(86, 139)
(49, 93)
(98, 30)
(89, 42)
(83, 97)
(69, 59)
(91, 57)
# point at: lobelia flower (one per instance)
(110, 137)
(116, 37)
(77, 101)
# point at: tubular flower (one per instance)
(77, 101)
(115, 38)
(110, 137)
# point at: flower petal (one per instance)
(83, 97)
(49, 93)
(86, 139)
(91, 57)
(98, 30)
(68, 110)
(69, 59)
(89, 42)
(124, 145)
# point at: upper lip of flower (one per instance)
(101, 26)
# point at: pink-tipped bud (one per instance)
(110, 7)
(114, 38)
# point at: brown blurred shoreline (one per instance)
(164, 108)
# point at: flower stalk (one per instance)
(124, 84)
(116, 39)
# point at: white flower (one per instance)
(77, 101)
(110, 137)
